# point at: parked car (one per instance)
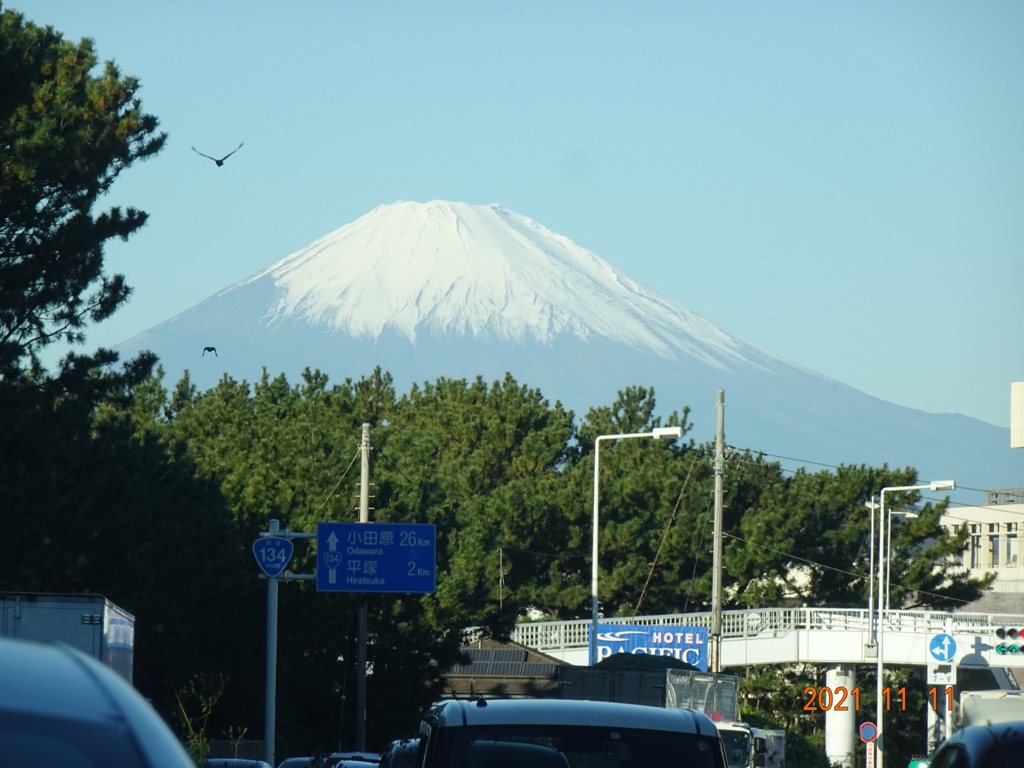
(59, 707)
(352, 760)
(996, 745)
(234, 762)
(301, 762)
(401, 753)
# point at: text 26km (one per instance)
(840, 699)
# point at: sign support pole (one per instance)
(716, 565)
(273, 550)
(869, 732)
(270, 711)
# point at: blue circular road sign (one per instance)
(942, 647)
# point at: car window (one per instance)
(30, 741)
(404, 753)
(951, 756)
(737, 747)
(574, 746)
(1007, 755)
(484, 753)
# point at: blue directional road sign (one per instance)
(375, 557)
(272, 554)
(942, 647)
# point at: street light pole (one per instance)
(659, 433)
(935, 485)
(872, 638)
(715, 649)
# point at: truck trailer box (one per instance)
(716, 695)
(624, 686)
(90, 623)
(988, 707)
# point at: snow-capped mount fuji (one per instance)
(451, 289)
(482, 271)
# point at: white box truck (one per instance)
(90, 623)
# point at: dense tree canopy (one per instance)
(66, 134)
(89, 504)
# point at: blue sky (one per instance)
(840, 183)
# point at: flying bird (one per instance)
(221, 161)
(209, 349)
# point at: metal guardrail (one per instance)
(549, 636)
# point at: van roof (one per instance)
(465, 712)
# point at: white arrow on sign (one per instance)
(942, 647)
(332, 559)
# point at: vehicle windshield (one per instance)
(1007, 755)
(573, 746)
(32, 740)
(737, 747)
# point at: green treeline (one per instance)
(154, 496)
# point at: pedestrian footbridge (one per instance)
(826, 636)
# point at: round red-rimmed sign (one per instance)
(868, 731)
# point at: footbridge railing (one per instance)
(813, 635)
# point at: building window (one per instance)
(975, 548)
(993, 542)
(1011, 550)
(959, 557)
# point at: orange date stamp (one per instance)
(842, 699)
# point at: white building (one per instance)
(994, 537)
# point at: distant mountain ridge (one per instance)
(452, 289)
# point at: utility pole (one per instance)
(364, 476)
(364, 517)
(716, 558)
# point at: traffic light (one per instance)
(1015, 636)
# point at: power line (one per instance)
(840, 570)
(356, 456)
(786, 458)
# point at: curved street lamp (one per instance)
(659, 433)
(935, 485)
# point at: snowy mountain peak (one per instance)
(481, 270)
